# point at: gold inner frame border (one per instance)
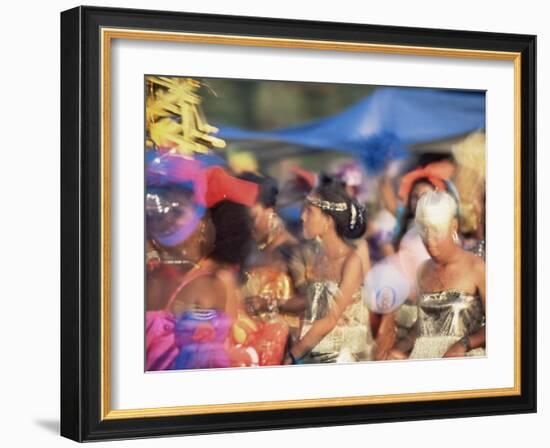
(107, 35)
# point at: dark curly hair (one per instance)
(233, 227)
(333, 190)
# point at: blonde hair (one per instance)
(435, 211)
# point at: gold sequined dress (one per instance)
(271, 284)
(443, 318)
(351, 339)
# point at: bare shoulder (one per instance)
(474, 262)
(201, 285)
(225, 276)
(352, 267)
(353, 260)
(211, 280)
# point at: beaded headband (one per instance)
(327, 205)
(336, 207)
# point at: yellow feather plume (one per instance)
(174, 118)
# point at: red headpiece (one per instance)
(435, 172)
(309, 177)
(222, 186)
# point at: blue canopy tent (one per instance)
(381, 126)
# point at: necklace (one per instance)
(180, 262)
(170, 260)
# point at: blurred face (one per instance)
(261, 220)
(314, 221)
(173, 219)
(197, 244)
(417, 192)
(438, 241)
(190, 247)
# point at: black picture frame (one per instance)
(81, 209)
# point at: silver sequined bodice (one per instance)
(449, 313)
(351, 338)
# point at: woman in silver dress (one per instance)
(336, 323)
(451, 286)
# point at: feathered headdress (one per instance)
(174, 119)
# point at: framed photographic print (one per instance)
(277, 224)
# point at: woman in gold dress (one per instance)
(451, 286)
(336, 324)
(269, 292)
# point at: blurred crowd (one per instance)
(248, 269)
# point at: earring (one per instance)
(202, 236)
(275, 223)
(456, 239)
